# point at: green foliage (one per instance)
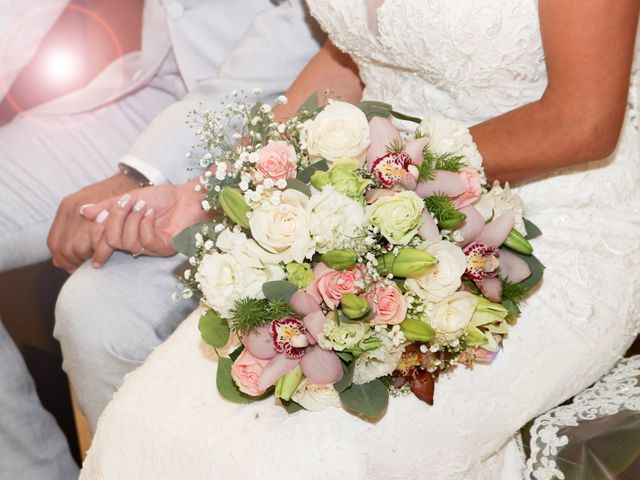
(532, 229)
(305, 175)
(250, 313)
(310, 108)
(226, 386)
(537, 270)
(375, 109)
(512, 291)
(444, 211)
(402, 116)
(214, 330)
(185, 241)
(347, 377)
(236, 353)
(291, 407)
(369, 400)
(396, 146)
(296, 184)
(279, 290)
(277, 309)
(446, 161)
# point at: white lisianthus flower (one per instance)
(316, 397)
(499, 200)
(443, 279)
(340, 130)
(283, 229)
(450, 136)
(451, 317)
(378, 362)
(333, 219)
(237, 271)
(397, 216)
(340, 336)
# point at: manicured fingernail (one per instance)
(96, 264)
(82, 207)
(139, 206)
(102, 216)
(149, 212)
(124, 200)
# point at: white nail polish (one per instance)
(124, 200)
(82, 207)
(102, 216)
(149, 212)
(139, 206)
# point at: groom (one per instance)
(109, 319)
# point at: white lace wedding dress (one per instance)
(470, 60)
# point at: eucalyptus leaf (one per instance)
(402, 116)
(291, 407)
(532, 229)
(296, 184)
(347, 377)
(370, 399)
(375, 109)
(310, 105)
(236, 353)
(227, 386)
(185, 241)
(537, 270)
(305, 175)
(345, 356)
(214, 330)
(279, 290)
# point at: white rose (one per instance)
(499, 200)
(334, 219)
(443, 279)
(340, 130)
(450, 136)
(378, 362)
(238, 271)
(340, 336)
(283, 229)
(450, 317)
(316, 397)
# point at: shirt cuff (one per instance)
(155, 176)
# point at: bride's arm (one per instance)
(588, 47)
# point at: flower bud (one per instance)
(453, 221)
(340, 259)
(516, 241)
(409, 263)
(417, 331)
(234, 206)
(285, 386)
(353, 306)
(488, 312)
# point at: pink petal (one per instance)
(512, 267)
(277, 367)
(408, 181)
(443, 183)
(321, 367)
(303, 303)
(383, 134)
(429, 230)
(472, 226)
(496, 232)
(414, 149)
(259, 343)
(314, 323)
(376, 194)
(491, 288)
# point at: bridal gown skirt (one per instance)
(169, 422)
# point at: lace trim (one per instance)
(616, 391)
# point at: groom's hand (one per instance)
(144, 221)
(69, 237)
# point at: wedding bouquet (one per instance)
(347, 261)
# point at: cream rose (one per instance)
(443, 279)
(340, 130)
(237, 271)
(283, 228)
(316, 397)
(334, 218)
(398, 217)
(499, 200)
(378, 362)
(451, 317)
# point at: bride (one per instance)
(546, 84)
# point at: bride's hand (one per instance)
(144, 220)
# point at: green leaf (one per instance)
(532, 229)
(511, 306)
(310, 105)
(370, 399)
(347, 377)
(279, 290)
(185, 241)
(374, 109)
(296, 184)
(227, 386)
(291, 407)
(403, 116)
(236, 353)
(345, 356)
(214, 330)
(474, 337)
(537, 270)
(305, 175)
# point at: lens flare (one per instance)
(61, 66)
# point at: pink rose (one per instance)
(390, 306)
(277, 160)
(246, 371)
(472, 181)
(330, 285)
